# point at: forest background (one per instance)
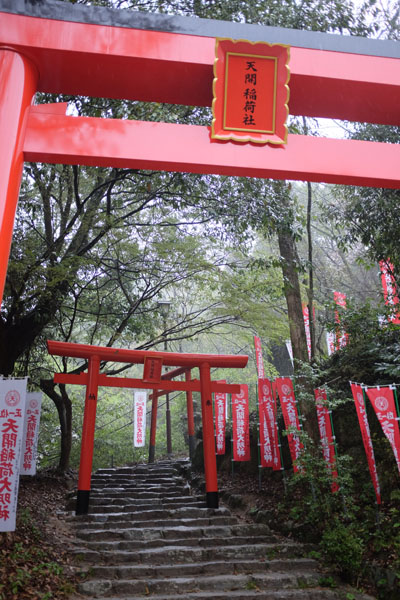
(96, 250)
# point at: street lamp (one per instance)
(164, 306)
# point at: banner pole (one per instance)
(396, 401)
(259, 457)
(232, 461)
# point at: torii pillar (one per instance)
(18, 84)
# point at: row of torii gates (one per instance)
(62, 48)
(151, 379)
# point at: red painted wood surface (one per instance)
(166, 146)
(18, 78)
(130, 383)
(138, 356)
(93, 60)
(89, 423)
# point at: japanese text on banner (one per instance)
(269, 447)
(220, 420)
(389, 287)
(12, 413)
(382, 400)
(240, 424)
(325, 430)
(139, 419)
(289, 410)
(33, 407)
(366, 436)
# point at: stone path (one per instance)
(148, 536)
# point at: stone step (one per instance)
(147, 536)
(135, 494)
(220, 567)
(115, 506)
(209, 542)
(181, 585)
(143, 491)
(123, 504)
(136, 479)
(151, 479)
(127, 521)
(297, 594)
(188, 554)
(138, 497)
(157, 513)
(143, 505)
(138, 471)
(173, 533)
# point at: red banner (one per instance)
(240, 424)
(306, 317)
(325, 430)
(341, 336)
(382, 399)
(366, 436)
(289, 410)
(269, 445)
(259, 357)
(220, 420)
(389, 288)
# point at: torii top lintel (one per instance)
(169, 359)
(133, 55)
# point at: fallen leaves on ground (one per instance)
(34, 559)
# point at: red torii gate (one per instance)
(57, 47)
(153, 362)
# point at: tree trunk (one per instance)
(288, 252)
(289, 259)
(310, 273)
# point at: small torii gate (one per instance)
(152, 379)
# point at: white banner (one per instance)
(139, 419)
(33, 407)
(12, 413)
(330, 342)
(290, 350)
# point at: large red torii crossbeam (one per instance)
(57, 47)
(152, 379)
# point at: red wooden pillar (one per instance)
(18, 79)
(89, 422)
(190, 416)
(210, 461)
(153, 426)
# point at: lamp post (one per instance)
(164, 306)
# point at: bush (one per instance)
(343, 548)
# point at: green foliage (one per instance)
(339, 16)
(343, 547)
(371, 355)
(327, 581)
(251, 585)
(370, 215)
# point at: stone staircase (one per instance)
(147, 536)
